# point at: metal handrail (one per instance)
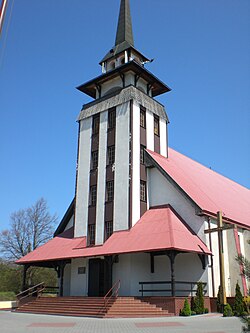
(192, 284)
(113, 291)
(38, 288)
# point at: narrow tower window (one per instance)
(143, 193)
(95, 124)
(91, 234)
(142, 117)
(111, 155)
(94, 160)
(110, 190)
(92, 195)
(142, 153)
(111, 118)
(156, 126)
(108, 229)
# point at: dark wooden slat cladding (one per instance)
(143, 172)
(95, 142)
(110, 173)
(109, 211)
(92, 215)
(111, 137)
(143, 207)
(157, 144)
(93, 178)
(143, 144)
(143, 136)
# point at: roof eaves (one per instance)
(67, 216)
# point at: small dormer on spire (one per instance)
(123, 50)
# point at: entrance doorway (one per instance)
(99, 281)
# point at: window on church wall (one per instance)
(111, 155)
(94, 160)
(143, 117)
(143, 191)
(111, 119)
(142, 154)
(156, 126)
(110, 191)
(91, 234)
(96, 124)
(108, 229)
(93, 195)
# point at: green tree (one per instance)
(186, 311)
(227, 311)
(239, 306)
(218, 301)
(199, 299)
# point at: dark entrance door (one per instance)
(99, 277)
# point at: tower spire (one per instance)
(124, 29)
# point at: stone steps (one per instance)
(121, 307)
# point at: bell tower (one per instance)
(115, 128)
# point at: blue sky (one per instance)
(201, 50)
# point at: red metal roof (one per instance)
(211, 191)
(160, 228)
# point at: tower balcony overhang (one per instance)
(156, 85)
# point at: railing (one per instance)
(34, 291)
(113, 292)
(51, 290)
(189, 290)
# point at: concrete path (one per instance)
(29, 323)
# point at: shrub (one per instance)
(7, 296)
(219, 299)
(239, 306)
(199, 299)
(206, 310)
(186, 311)
(228, 312)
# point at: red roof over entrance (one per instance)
(211, 191)
(159, 229)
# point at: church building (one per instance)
(146, 220)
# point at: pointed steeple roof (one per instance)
(124, 34)
(124, 29)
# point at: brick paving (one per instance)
(30, 323)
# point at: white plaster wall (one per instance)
(163, 137)
(133, 268)
(150, 130)
(66, 280)
(226, 260)
(121, 190)
(234, 269)
(161, 192)
(142, 85)
(101, 179)
(82, 194)
(129, 79)
(70, 223)
(188, 267)
(78, 282)
(246, 238)
(136, 164)
(122, 272)
(117, 82)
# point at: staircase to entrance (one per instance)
(120, 307)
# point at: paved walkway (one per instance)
(30, 323)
